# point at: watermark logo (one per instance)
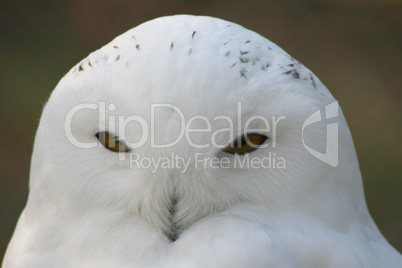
(235, 130)
(331, 151)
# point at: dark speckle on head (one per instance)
(190, 51)
(293, 72)
(243, 52)
(227, 42)
(133, 37)
(137, 46)
(233, 65)
(248, 41)
(270, 48)
(312, 81)
(291, 65)
(192, 36)
(89, 63)
(243, 59)
(264, 67)
(80, 68)
(116, 47)
(171, 45)
(227, 54)
(117, 58)
(287, 72)
(227, 26)
(243, 72)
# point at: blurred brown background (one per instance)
(353, 46)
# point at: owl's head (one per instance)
(183, 117)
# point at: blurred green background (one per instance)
(353, 46)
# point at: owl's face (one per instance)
(176, 124)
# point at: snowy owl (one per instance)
(191, 141)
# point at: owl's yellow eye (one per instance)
(246, 143)
(111, 142)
